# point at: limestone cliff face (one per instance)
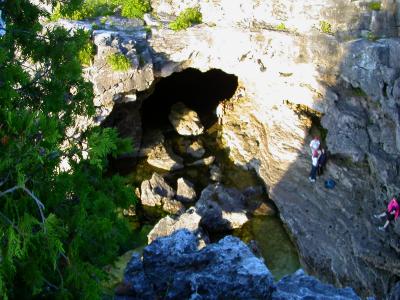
(286, 78)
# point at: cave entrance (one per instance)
(197, 90)
(241, 192)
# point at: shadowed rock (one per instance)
(301, 286)
(196, 149)
(173, 268)
(221, 208)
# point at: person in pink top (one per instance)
(392, 213)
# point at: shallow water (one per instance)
(278, 251)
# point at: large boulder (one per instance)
(221, 208)
(300, 286)
(185, 120)
(173, 268)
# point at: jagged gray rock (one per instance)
(300, 286)
(174, 268)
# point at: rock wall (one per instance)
(289, 79)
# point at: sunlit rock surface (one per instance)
(185, 120)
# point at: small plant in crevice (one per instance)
(187, 18)
(372, 37)
(118, 62)
(375, 5)
(281, 27)
(325, 27)
(359, 92)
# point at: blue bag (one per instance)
(330, 183)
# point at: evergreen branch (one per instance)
(10, 190)
(29, 32)
(10, 222)
(39, 204)
(50, 284)
(4, 180)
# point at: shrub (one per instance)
(135, 8)
(281, 27)
(97, 8)
(89, 9)
(118, 62)
(187, 18)
(374, 6)
(86, 53)
(325, 27)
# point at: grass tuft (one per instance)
(187, 18)
(118, 62)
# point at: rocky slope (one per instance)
(292, 81)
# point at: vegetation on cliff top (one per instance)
(187, 18)
(58, 228)
(96, 8)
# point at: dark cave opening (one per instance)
(197, 90)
